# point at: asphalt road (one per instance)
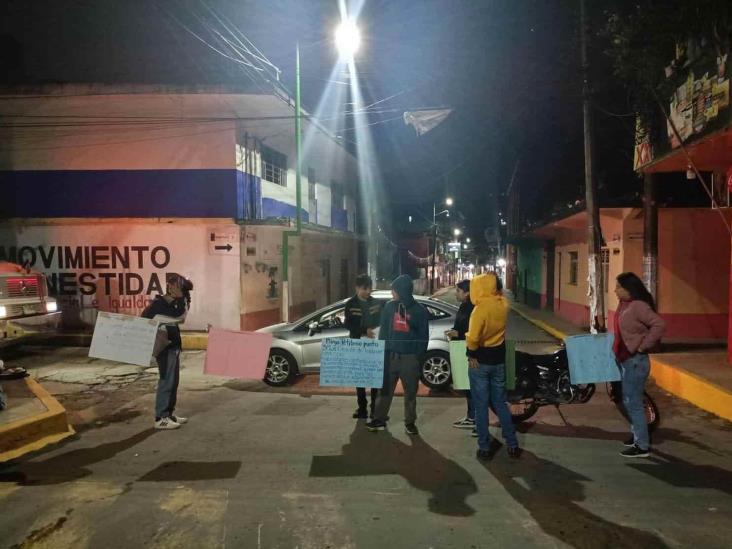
(263, 468)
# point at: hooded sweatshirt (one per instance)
(175, 309)
(487, 330)
(404, 324)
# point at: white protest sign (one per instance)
(123, 338)
(346, 362)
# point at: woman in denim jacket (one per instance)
(638, 328)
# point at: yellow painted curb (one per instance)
(194, 341)
(33, 433)
(543, 325)
(700, 392)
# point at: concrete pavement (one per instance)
(260, 468)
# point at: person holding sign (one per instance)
(459, 329)
(486, 352)
(638, 328)
(405, 330)
(175, 304)
(363, 314)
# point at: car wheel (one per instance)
(436, 370)
(281, 368)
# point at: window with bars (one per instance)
(573, 268)
(311, 183)
(336, 195)
(274, 166)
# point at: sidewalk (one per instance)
(699, 375)
(33, 419)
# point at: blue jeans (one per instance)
(167, 391)
(471, 409)
(634, 372)
(488, 385)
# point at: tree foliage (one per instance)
(654, 41)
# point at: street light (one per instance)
(467, 240)
(448, 201)
(456, 232)
(347, 38)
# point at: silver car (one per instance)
(296, 346)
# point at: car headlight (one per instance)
(51, 306)
(3, 311)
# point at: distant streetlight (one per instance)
(347, 38)
(456, 232)
(467, 240)
(465, 246)
(410, 218)
(501, 262)
(448, 201)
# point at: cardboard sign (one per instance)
(242, 355)
(591, 359)
(123, 338)
(459, 366)
(346, 362)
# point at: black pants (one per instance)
(363, 402)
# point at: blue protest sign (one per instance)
(591, 359)
(346, 362)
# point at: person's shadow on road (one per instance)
(419, 463)
(69, 466)
(551, 493)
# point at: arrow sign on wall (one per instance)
(227, 247)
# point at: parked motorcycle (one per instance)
(543, 380)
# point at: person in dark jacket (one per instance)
(459, 329)
(363, 315)
(175, 303)
(405, 329)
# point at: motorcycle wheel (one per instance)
(522, 410)
(653, 416)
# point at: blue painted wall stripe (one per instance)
(118, 193)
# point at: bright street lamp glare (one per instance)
(347, 38)
(448, 201)
(456, 232)
(467, 239)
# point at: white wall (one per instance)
(164, 246)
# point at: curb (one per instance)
(684, 384)
(551, 330)
(192, 341)
(35, 432)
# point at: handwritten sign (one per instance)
(123, 338)
(459, 366)
(346, 362)
(591, 359)
(243, 355)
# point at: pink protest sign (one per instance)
(242, 355)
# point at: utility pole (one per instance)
(434, 247)
(650, 234)
(298, 199)
(595, 290)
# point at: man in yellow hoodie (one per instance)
(487, 357)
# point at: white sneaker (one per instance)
(166, 423)
(179, 420)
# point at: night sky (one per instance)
(509, 69)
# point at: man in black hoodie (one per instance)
(363, 314)
(175, 304)
(459, 329)
(405, 328)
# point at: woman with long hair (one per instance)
(638, 328)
